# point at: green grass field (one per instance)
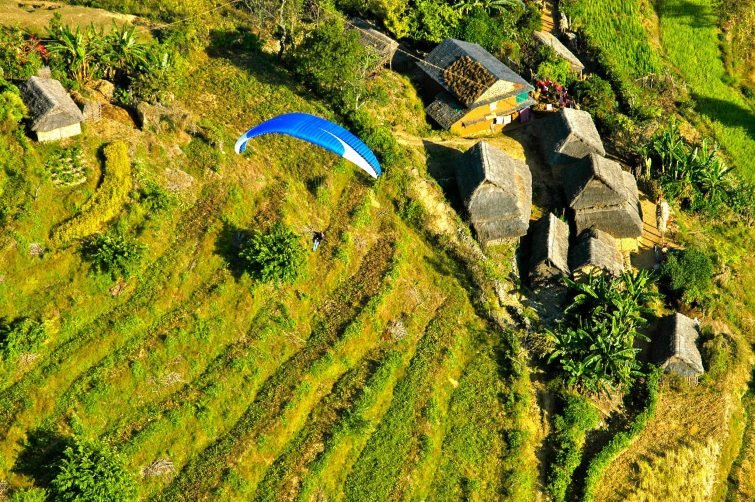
(252, 391)
(690, 37)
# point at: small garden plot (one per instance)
(67, 167)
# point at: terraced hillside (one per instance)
(246, 390)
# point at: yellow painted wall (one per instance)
(480, 120)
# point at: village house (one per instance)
(603, 196)
(550, 40)
(477, 93)
(53, 114)
(674, 348)
(595, 252)
(549, 249)
(569, 136)
(497, 192)
(383, 45)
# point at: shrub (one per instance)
(688, 274)
(594, 343)
(596, 96)
(106, 203)
(113, 254)
(479, 27)
(155, 198)
(12, 108)
(20, 55)
(29, 495)
(557, 70)
(91, 471)
(275, 255)
(20, 336)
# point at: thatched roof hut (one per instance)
(570, 136)
(497, 192)
(52, 112)
(603, 196)
(561, 50)
(674, 346)
(549, 249)
(370, 36)
(595, 251)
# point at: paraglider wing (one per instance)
(318, 131)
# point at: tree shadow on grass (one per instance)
(441, 165)
(227, 246)
(726, 112)
(243, 49)
(42, 448)
(698, 16)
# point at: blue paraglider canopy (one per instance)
(318, 131)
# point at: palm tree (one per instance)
(122, 52)
(77, 50)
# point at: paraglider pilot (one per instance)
(317, 238)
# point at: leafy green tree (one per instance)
(432, 20)
(331, 60)
(112, 253)
(275, 255)
(20, 336)
(594, 344)
(689, 274)
(90, 471)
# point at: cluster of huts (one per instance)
(601, 211)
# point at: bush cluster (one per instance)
(274, 255)
(106, 203)
(594, 343)
(20, 336)
(688, 275)
(21, 55)
(91, 471)
(112, 253)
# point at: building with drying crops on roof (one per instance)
(603, 196)
(497, 192)
(477, 93)
(52, 113)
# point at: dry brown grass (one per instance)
(697, 416)
(35, 16)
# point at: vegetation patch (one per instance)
(106, 203)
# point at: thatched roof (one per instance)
(549, 248)
(595, 250)
(674, 346)
(622, 220)
(50, 107)
(569, 136)
(594, 181)
(445, 110)
(497, 192)
(450, 51)
(370, 36)
(560, 49)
